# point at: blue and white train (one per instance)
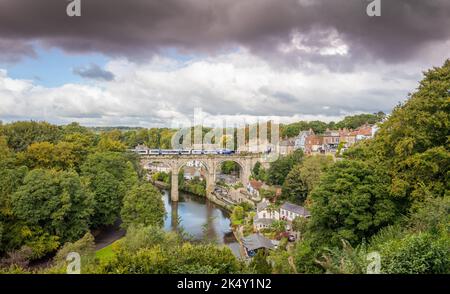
(147, 151)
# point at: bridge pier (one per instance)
(174, 188)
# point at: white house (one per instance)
(263, 211)
(262, 223)
(289, 211)
(300, 140)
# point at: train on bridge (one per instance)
(147, 151)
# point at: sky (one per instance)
(152, 63)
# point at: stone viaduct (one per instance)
(210, 162)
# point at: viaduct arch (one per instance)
(211, 163)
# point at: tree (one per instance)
(47, 155)
(115, 163)
(279, 226)
(303, 178)
(22, 134)
(256, 169)
(229, 166)
(143, 205)
(412, 144)
(237, 216)
(260, 264)
(419, 253)
(356, 121)
(280, 168)
(107, 144)
(5, 152)
(58, 202)
(305, 258)
(299, 224)
(11, 178)
(108, 195)
(110, 176)
(312, 169)
(351, 202)
(294, 189)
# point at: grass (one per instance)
(106, 253)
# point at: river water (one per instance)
(200, 218)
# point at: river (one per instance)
(200, 218)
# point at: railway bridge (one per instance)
(210, 162)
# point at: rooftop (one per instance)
(262, 205)
(256, 241)
(295, 209)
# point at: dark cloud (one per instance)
(138, 28)
(14, 50)
(93, 71)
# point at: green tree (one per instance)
(413, 143)
(229, 167)
(108, 195)
(149, 250)
(279, 226)
(294, 189)
(143, 205)
(351, 202)
(259, 263)
(419, 253)
(355, 121)
(280, 168)
(302, 179)
(107, 144)
(58, 202)
(22, 134)
(237, 216)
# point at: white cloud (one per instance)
(230, 86)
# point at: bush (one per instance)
(416, 254)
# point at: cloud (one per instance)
(93, 71)
(12, 51)
(232, 86)
(335, 33)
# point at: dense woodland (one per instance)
(389, 195)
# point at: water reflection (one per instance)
(199, 218)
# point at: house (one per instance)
(262, 223)
(365, 132)
(265, 215)
(191, 172)
(264, 210)
(313, 144)
(347, 137)
(300, 140)
(253, 187)
(287, 146)
(331, 139)
(256, 242)
(289, 211)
